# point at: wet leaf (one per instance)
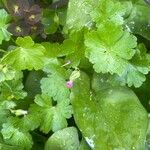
(110, 119)
(66, 139)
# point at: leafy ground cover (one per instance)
(74, 74)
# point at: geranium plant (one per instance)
(74, 74)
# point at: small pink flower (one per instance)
(69, 84)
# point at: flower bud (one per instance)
(19, 112)
(69, 84)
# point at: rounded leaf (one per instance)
(66, 139)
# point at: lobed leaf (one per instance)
(28, 55)
(110, 51)
(4, 18)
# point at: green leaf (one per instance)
(3, 116)
(58, 50)
(138, 19)
(6, 73)
(42, 106)
(138, 67)
(55, 84)
(32, 87)
(84, 145)
(108, 11)
(134, 74)
(26, 123)
(103, 81)
(4, 18)
(50, 26)
(66, 139)
(143, 93)
(16, 137)
(79, 49)
(12, 90)
(7, 104)
(93, 11)
(147, 143)
(28, 55)
(74, 18)
(51, 117)
(29, 122)
(62, 111)
(5, 146)
(5, 107)
(52, 49)
(109, 119)
(110, 51)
